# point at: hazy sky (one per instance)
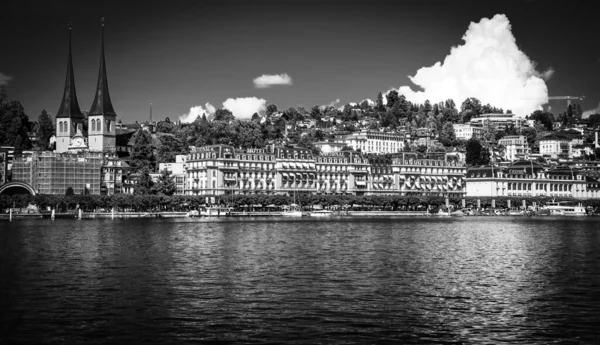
(178, 55)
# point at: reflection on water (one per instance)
(488, 280)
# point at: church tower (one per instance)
(69, 117)
(102, 117)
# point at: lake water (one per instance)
(335, 281)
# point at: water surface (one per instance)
(340, 280)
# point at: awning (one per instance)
(360, 183)
(284, 175)
(284, 165)
(306, 166)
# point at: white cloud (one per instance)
(547, 74)
(196, 111)
(369, 101)
(4, 79)
(245, 107)
(268, 80)
(587, 113)
(488, 66)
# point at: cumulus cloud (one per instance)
(245, 107)
(488, 66)
(4, 79)
(268, 80)
(196, 111)
(587, 113)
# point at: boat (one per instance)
(457, 213)
(292, 211)
(561, 208)
(515, 212)
(443, 212)
(321, 213)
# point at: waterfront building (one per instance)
(515, 147)
(222, 169)
(113, 176)
(295, 170)
(555, 146)
(499, 121)
(416, 176)
(528, 179)
(177, 171)
(256, 172)
(466, 131)
(101, 136)
(54, 173)
(3, 166)
(380, 178)
(368, 141)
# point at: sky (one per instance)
(189, 57)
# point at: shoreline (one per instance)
(241, 214)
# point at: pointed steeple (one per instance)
(102, 104)
(69, 107)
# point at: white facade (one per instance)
(330, 147)
(375, 142)
(515, 147)
(466, 131)
(500, 121)
(553, 147)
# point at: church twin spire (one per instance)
(102, 104)
(69, 107)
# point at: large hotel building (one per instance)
(223, 169)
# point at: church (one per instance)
(101, 119)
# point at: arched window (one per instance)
(99, 125)
(93, 125)
(60, 127)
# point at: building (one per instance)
(375, 142)
(113, 176)
(555, 146)
(223, 170)
(499, 121)
(527, 179)
(54, 173)
(177, 171)
(416, 176)
(101, 136)
(466, 131)
(515, 147)
(3, 166)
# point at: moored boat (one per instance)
(321, 213)
(561, 208)
(292, 211)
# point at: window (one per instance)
(98, 125)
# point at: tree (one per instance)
(170, 146)
(142, 154)
(392, 98)
(45, 129)
(447, 135)
(223, 115)
(544, 118)
(474, 149)
(379, 103)
(69, 191)
(271, 109)
(165, 184)
(145, 183)
(255, 117)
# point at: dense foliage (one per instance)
(127, 202)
